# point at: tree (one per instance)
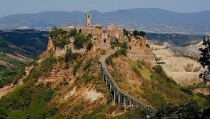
(60, 37)
(184, 111)
(73, 32)
(3, 113)
(89, 46)
(135, 33)
(125, 32)
(68, 55)
(205, 59)
(79, 41)
(139, 33)
(142, 33)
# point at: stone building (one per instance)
(88, 20)
(101, 36)
(115, 32)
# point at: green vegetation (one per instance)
(189, 110)
(77, 66)
(68, 55)
(12, 75)
(80, 40)
(60, 37)
(157, 84)
(118, 53)
(98, 27)
(116, 43)
(33, 100)
(103, 111)
(43, 67)
(139, 33)
(121, 51)
(89, 46)
(125, 32)
(29, 43)
(160, 91)
(29, 101)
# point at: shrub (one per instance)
(60, 37)
(186, 90)
(47, 95)
(73, 32)
(3, 113)
(21, 100)
(139, 33)
(184, 111)
(88, 64)
(68, 55)
(136, 70)
(79, 41)
(44, 66)
(125, 32)
(138, 113)
(60, 42)
(76, 67)
(89, 46)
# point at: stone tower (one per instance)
(88, 20)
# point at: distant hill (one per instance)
(150, 19)
(29, 43)
(174, 39)
(17, 49)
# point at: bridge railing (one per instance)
(119, 95)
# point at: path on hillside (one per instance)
(118, 95)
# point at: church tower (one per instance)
(88, 20)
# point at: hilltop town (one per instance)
(107, 37)
(99, 71)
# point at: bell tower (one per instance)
(88, 20)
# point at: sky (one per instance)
(9, 7)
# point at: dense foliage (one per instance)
(139, 33)
(29, 100)
(189, 110)
(60, 37)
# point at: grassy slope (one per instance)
(28, 43)
(155, 88)
(42, 100)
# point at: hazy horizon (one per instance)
(25, 6)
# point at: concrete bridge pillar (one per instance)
(130, 104)
(124, 101)
(119, 98)
(110, 88)
(114, 96)
(102, 71)
(106, 80)
(104, 76)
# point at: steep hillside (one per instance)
(66, 82)
(17, 49)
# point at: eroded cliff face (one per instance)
(140, 50)
(179, 64)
